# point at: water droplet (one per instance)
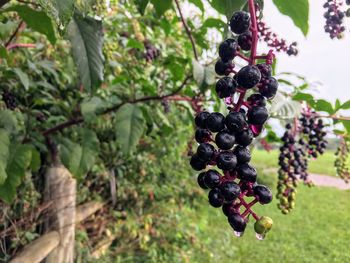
(238, 234)
(259, 236)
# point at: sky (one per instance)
(321, 60)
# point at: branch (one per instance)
(12, 37)
(78, 120)
(340, 118)
(19, 45)
(188, 31)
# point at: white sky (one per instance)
(320, 59)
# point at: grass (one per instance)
(316, 231)
(322, 165)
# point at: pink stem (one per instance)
(18, 45)
(254, 30)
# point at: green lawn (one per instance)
(322, 165)
(316, 231)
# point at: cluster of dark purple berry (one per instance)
(10, 100)
(300, 143)
(342, 160)
(224, 140)
(272, 40)
(334, 18)
(313, 134)
(151, 51)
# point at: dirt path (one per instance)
(329, 181)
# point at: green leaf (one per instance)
(23, 77)
(161, 6)
(3, 52)
(10, 121)
(198, 3)
(284, 107)
(227, 7)
(36, 161)
(303, 97)
(4, 153)
(323, 105)
(36, 20)
(345, 105)
(86, 36)
(346, 125)
(90, 107)
(129, 127)
(141, 5)
(60, 10)
(79, 158)
(18, 162)
(214, 22)
(133, 43)
(297, 10)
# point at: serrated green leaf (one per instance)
(36, 20)
(90, 107)
(23, 77)
(141, 5)
(161, 6)
(129, 127)
(297, 10)
(86, 36)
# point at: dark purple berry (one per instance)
(240, 22)
(201, 119)
(244, 138)
(215, 198)
(223, 68)
(205, 152)
(212, 179)
(246, 173)
(228, 49)
(237, 222)
(257, 100)
(264, 194)
(257, 115)
(197, 163)
(230, 191)
(225, 140)
(226, 161)
(225, 87)
(235, 121)
(228, 209)
(269, 89)
(265, 70)
(202, 135)
(215, 122)
(242, 154)
(201, 179)
(248, 77)
(245, 40)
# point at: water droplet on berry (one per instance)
(238, 234)
(259, 236)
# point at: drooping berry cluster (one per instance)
(151, 52)
(10, 99)
(300, 143)
(272, 40)
(341, 162)
(313, 138)
(224, 140)
(334, 18)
